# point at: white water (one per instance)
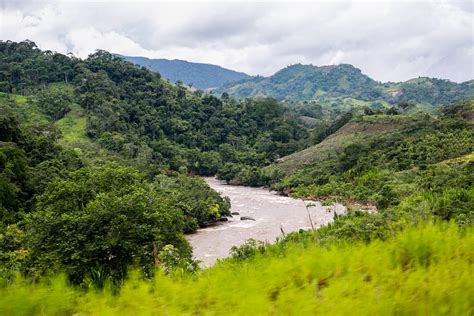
(272, 213)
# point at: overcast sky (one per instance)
(389, 40)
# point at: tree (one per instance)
(103, 219)
(199, 203)
(13, 175)
(9, 124)
(55, 104)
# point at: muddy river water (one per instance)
(272, 213)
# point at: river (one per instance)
(272, 213)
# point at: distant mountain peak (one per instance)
(200, 75)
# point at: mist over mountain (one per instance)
(199, 75)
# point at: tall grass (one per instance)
(426, 270)
(73, 125)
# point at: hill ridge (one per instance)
(200, 75)
(330, 84)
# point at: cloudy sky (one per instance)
(389, 40)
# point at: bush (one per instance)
(200, 204)
(248, 250)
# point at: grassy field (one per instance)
(27, 110)
(424, 270)
(73, 125)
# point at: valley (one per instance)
(117, 189)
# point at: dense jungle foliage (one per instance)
(65, 121)
(62, 211)
(133, 112)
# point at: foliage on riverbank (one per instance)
(66, 205)
(422, 270)
(403, 156)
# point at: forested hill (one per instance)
(132, 111)
(330, 84)
(85, 144)
(199, 75)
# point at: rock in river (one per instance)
(247, 218)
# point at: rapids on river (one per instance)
(272, 213)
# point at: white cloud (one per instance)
(86, 40)
(388, 40)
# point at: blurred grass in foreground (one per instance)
(426, 270)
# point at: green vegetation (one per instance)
(303, 82)
(133, 112)
(28, 112)
(424, 270)
(380, 159)
(102, 219)
(69, 202)
(97, 187)
(344, 86)
(73, 125)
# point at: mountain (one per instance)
(201, 76)
(303, 82)
(335, 84)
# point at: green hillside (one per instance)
(134, 113)
(379, 159)
(303, 82)
(336, 85)
(357, 129)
